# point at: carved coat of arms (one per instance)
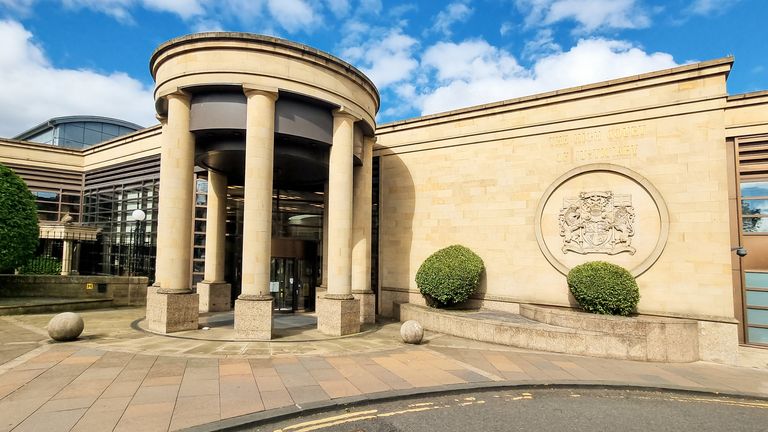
(597, 222)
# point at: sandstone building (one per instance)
(269, 186)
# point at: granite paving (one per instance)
(120, 378)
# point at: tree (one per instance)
(18, 221)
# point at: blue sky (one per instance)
(67, 57)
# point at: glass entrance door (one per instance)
(284, 284)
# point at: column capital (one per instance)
(177, 93)
(163, 119)
(344, 112)
(253, 89)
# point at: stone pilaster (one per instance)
(253, 308)
(66, 258)
(215, 293)
(172, 306)
(333, 310)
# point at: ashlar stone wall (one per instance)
(479, 177)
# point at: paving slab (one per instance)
(118, 377)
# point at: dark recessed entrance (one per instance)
(303, 135)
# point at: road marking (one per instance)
(762, 405)
(351, 417)
(325, 420)
(420, 404)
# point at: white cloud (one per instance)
(340, 8)
(183, 8)
(117, 9)
(711, 7)
(593, 60)
(542, 44)
(453, 13)
(506, 28)
(32, 90)
(263, 16)
(474, 72)
(387, 60)
(591, 15)
(18, 6)
(469, 60)
(370, 6)
(206, 25)
(293, 15)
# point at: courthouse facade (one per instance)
(269, 186)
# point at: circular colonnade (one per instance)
(261, 113)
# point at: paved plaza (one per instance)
(119, 377)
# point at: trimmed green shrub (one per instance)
(18, 221)
(604, 288)
(41, 265)
(449, 276)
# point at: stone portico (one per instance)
(235, 104)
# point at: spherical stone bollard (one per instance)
(65, 326)
(412, 332)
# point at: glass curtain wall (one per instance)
(53, 204)
(296, 215)
(125, 247)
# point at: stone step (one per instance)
(520, 331)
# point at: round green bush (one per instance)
(604, 288)
(18, 221)
(449, 276)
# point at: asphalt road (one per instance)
(544, 410)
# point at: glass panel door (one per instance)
(283, 283)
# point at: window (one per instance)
(754, 207)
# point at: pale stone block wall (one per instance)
(476, 177)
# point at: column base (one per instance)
(338, 317)
(320, 292)
(168, 313)
(253, 319)
(367, 306)
(214, 296)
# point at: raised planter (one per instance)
(570, 332)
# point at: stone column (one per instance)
(215, 293)
(323, 288)
(66, 258)
(171, 305)
(253, 308)
(339, 312)
(361, 235)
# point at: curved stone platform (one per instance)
(569, 332)
(219, 327)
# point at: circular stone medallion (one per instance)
(602, 212)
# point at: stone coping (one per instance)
(569, 318)
(304, 51)
(693, 67)
(21, 306)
